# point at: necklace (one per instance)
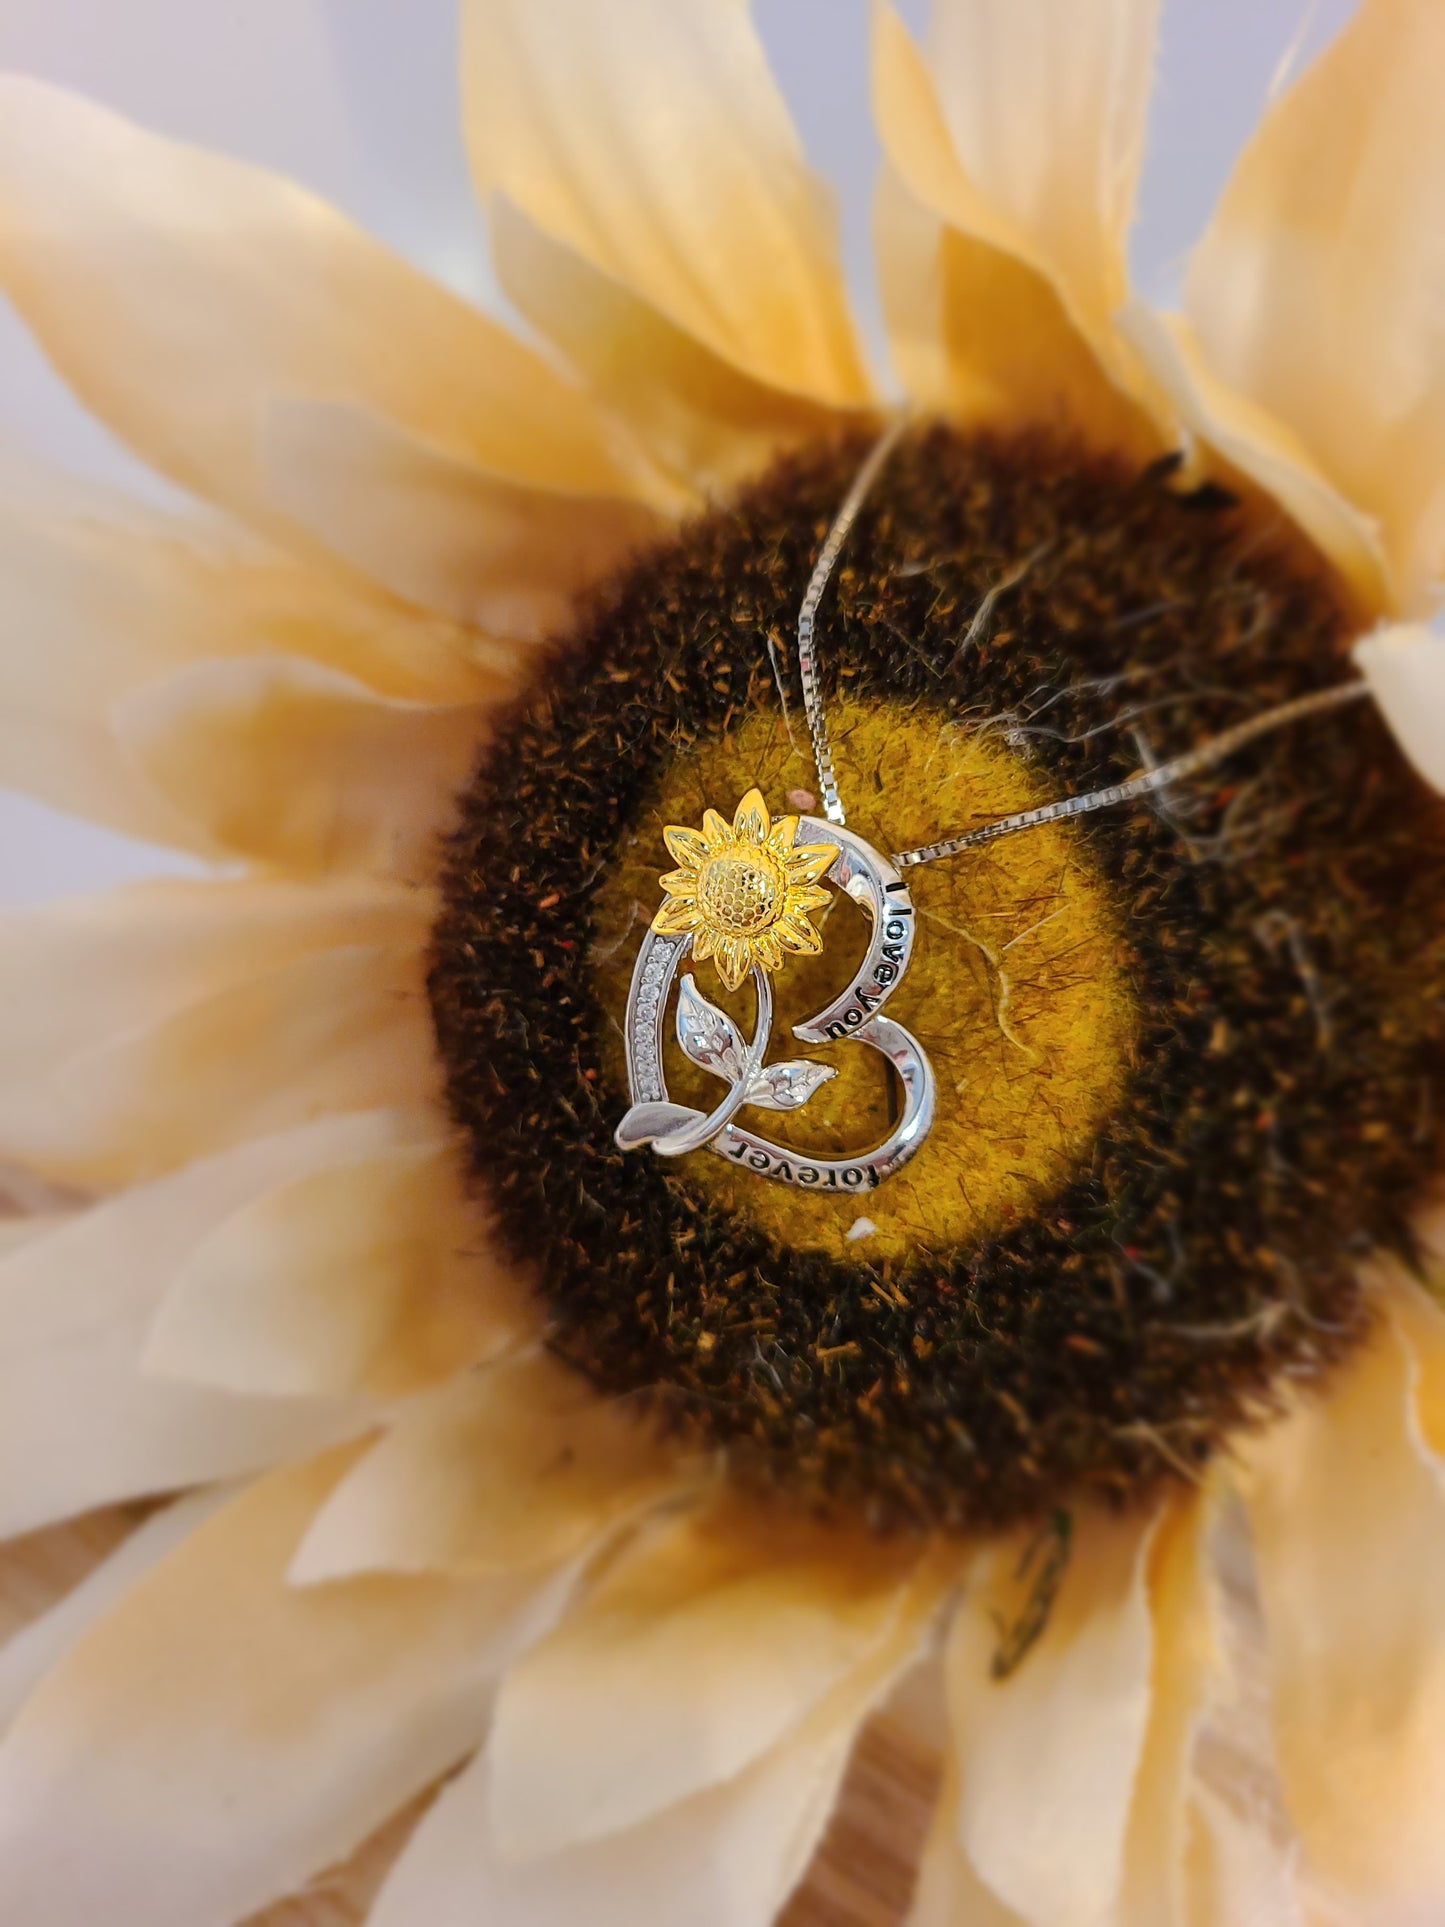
(744, 894)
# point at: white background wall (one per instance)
(357, 99)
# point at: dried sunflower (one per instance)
(628, 1493)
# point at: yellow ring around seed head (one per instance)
(744, 891)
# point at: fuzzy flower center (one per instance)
(1190, 1052)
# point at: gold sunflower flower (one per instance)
(425, 1455)
(744, 890)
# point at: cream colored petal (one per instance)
(165, 1021)
(1045, 102)
(1022, 138)
(178, 292)
(30, 1654)
(701, 417)
(220, 1736)
(441, 531)
(698, 1651)
(1047, 1757)
(102, 597)
(1235, 1871)
(18, 1231)
(949, 1892)
(287, 764)
(82, 1421)
(1405, 668)
(1186, 1662)
(519, 1465)
(725, 1857)
(977, 333)
(1315, 291)
(1261, 448)
(366, 1277)
(1347, 1509)
(650, 139)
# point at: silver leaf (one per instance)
(644, 1122)
(707, 1034)
(787, 1087)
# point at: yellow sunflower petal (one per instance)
(1356, 1645)
(798, 934)
(166, 1021)
(807, 896)
(716, 830)
(220, 1735)
(524, 1464)
(197, 262)
(365, 1276)
(770, 951)
(727, 1855)
(949, 1891)
(301, 768)
(1047, 1758)
(679, 883)
(676, 917)
(440, 531)
(687, 847)
(809, 861)
(649, 137)
(781, 835)
(1263, 448)
(1333, 211)
(734, 959)
(751, 819)
(1405, 668)
(701, 417)
(104, 597)
(82, 1421)
(1184, 1670)
(27, 1656)
(1002, 278)
(702, 944)
(696, 1653)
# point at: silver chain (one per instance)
(1217, 750)
(807, 616)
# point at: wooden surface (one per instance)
(861, 1876)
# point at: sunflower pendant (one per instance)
(743, 895)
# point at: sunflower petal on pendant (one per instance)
(745, 888)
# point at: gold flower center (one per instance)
(740, 895)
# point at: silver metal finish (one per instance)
(807, 618)
(1216, 750)
(712, 1041)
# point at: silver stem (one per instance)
(1216, 750)
(807, 616)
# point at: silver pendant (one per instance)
(744, 895)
